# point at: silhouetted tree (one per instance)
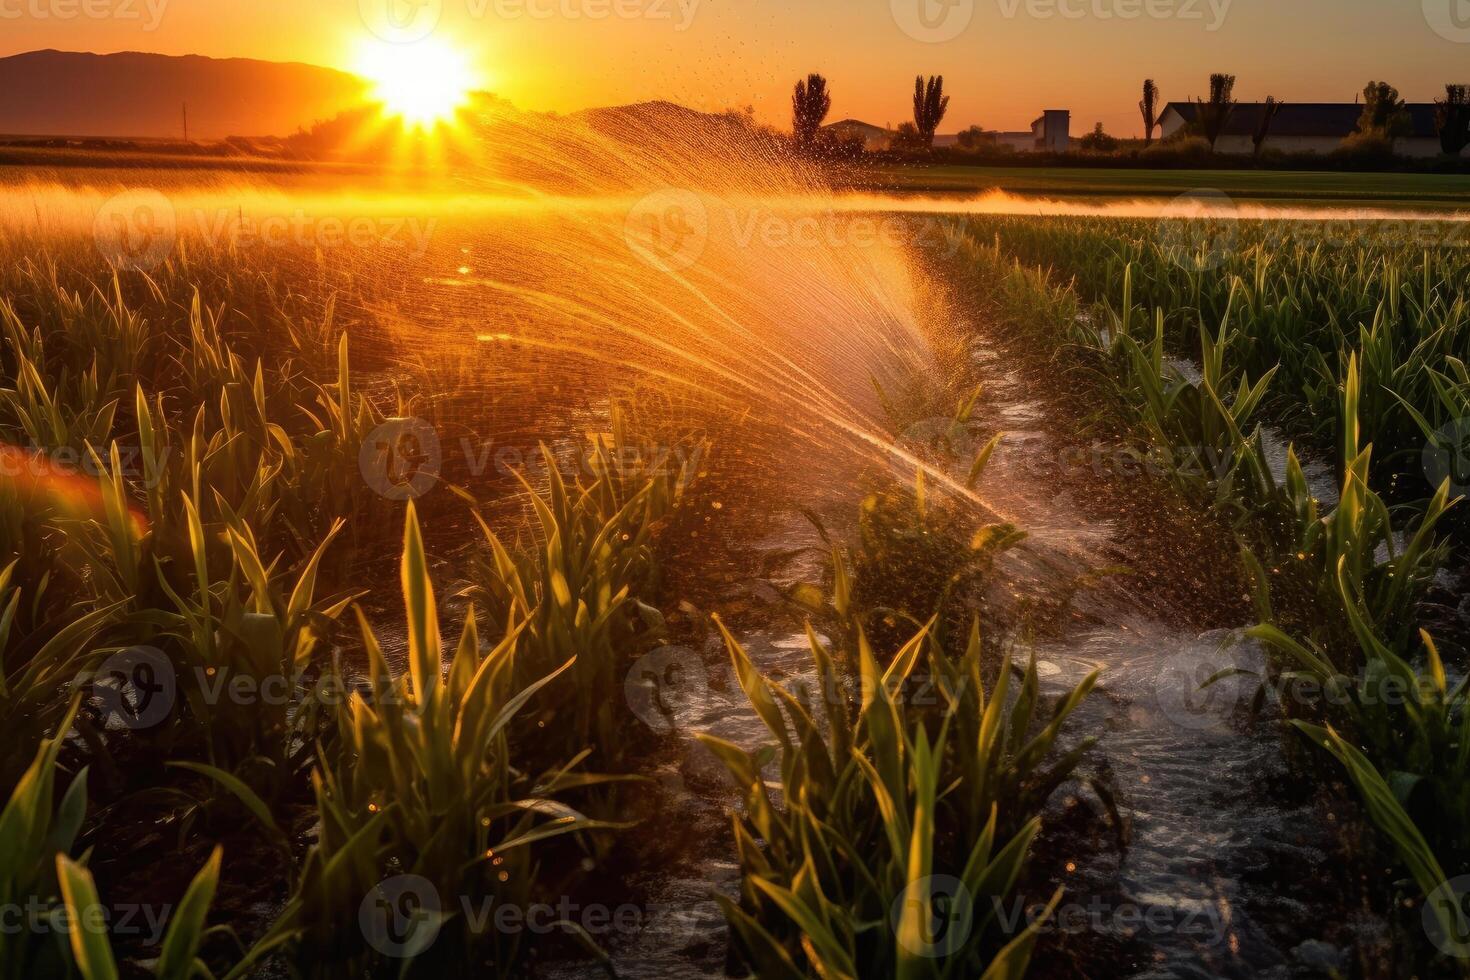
(1099, 141)
(1149, 107)
(930, 105)
(971, 139)
(810, 104)
(1384, 113)
(907, 137)
(1213, 115)
(1269, 112)
(1452, 119)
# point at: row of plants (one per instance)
(886, 826)
(187, 511)
(1303, 298)
(1337, 588)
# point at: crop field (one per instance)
(1405, 190)
(744, 579)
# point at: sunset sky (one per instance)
(1007, 60)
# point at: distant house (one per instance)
(1051, 132)
(874, 137)
(1308, 127)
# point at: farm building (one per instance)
(1051, 132)
(873, 137)
(1309, 127)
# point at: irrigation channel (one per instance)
(1223, 866)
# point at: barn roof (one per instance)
(855, 124)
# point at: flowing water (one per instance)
(1213, 849)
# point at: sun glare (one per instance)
(423, 83)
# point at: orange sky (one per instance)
(1003, 60)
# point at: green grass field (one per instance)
(1359, 189)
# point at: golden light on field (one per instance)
(424, 83)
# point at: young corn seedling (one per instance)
(579, 594)
(49, 409)
(1355, 542)
(420, 781)
(1409, 721)
(34, 829)
(89, 943)
(879, 801)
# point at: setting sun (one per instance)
(424, 83)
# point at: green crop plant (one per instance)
(918, 555)
(1408, 720)
(878, 798)
(1199, 425)
(1364, 343)
(920, 551)
(37, 834)
(580, 585)
(1353, 542)
(422, 780)
(37, 668)
(34, 828)
(91, 948)
(1189, 422)
(1305, 301)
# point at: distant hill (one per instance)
(60, 93)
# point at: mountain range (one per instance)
(148, 96)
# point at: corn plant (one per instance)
(1355, 543)
(47, 637)
(1199, 424)
(37, 669)
(222, 612)
(584, 589)
(34, 829)
(90, 947)
(918, 555)
(65, 408)
(878, 798)
(1303, 306)
(921, 549)
(1338, 591)
(1410, 721)
(1185, 418)
(422, 782)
